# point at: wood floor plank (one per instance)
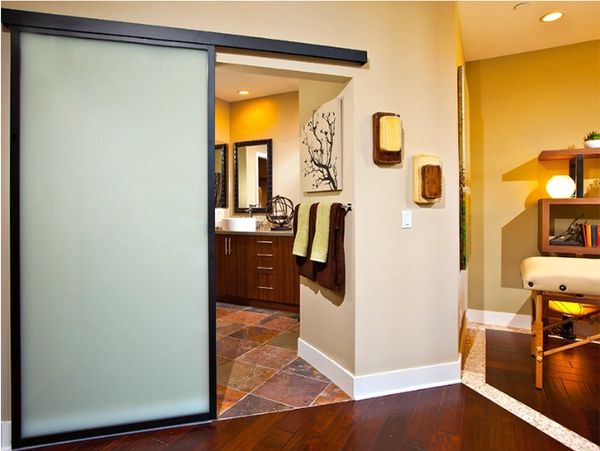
(320, 419)
(570, 394)
(451, 409)
(442, 441)
(395, 426)
(334, 437)
(371, 422)
(423, 421)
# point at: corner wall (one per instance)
(328, 318)
(520, 105)
(407, 279)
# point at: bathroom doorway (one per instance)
(258, 303)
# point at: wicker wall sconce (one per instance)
(388, 138)
(427, 179)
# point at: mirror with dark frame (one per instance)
(221, 176)
(253, 175)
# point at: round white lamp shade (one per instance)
(560, 187)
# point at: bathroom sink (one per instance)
(239, 224)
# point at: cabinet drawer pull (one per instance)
(264, 255)
(265, 288)
(265, 242)
(270, 268)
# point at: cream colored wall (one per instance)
(328, 319)
(404, 283)
(406, 280)
(520, 105)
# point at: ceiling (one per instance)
(491, 29)
(229, 79)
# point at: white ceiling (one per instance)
(491, 29)
(229, 79)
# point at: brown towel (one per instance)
(332, 274)
(305, 265)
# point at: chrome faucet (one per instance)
(251, 207)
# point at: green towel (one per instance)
(321, 241)
(301, 240)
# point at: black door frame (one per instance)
(19, 21)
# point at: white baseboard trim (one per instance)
(5, 428)
(499, 318)
(336, 373)
(380, 384)
(409, 379)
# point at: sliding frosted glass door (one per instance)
(113, 234)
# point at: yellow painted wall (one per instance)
(520, 105)
(399, 275)
(274, 117)
(221, 122)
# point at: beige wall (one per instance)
(328, 318)
(404, 282)
(520, 105)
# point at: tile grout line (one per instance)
(322, 391)
(278, 371)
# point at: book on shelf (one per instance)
(590, 234)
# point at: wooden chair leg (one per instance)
(539, 341)
(532, 339)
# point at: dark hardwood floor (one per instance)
(571, 394)
(445, 418)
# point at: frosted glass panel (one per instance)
(114, 242)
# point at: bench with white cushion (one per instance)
(558, 279)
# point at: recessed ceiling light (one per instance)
(551, 17)
(520, 6)
(243, 92)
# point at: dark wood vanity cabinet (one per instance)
(256, 270)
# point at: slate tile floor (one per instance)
(258, 368)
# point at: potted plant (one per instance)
(592, 140)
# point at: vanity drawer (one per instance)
(267, 288)
(265, 281)
(265, 246)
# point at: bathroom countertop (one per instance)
(257, 232)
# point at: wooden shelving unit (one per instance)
(545, 225)
(567, 154)
(576, 159)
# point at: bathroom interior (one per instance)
(257, 157)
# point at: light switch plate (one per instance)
(406, 219)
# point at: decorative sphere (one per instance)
(280, 211)
(560, 187)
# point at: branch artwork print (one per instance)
(321, 166)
